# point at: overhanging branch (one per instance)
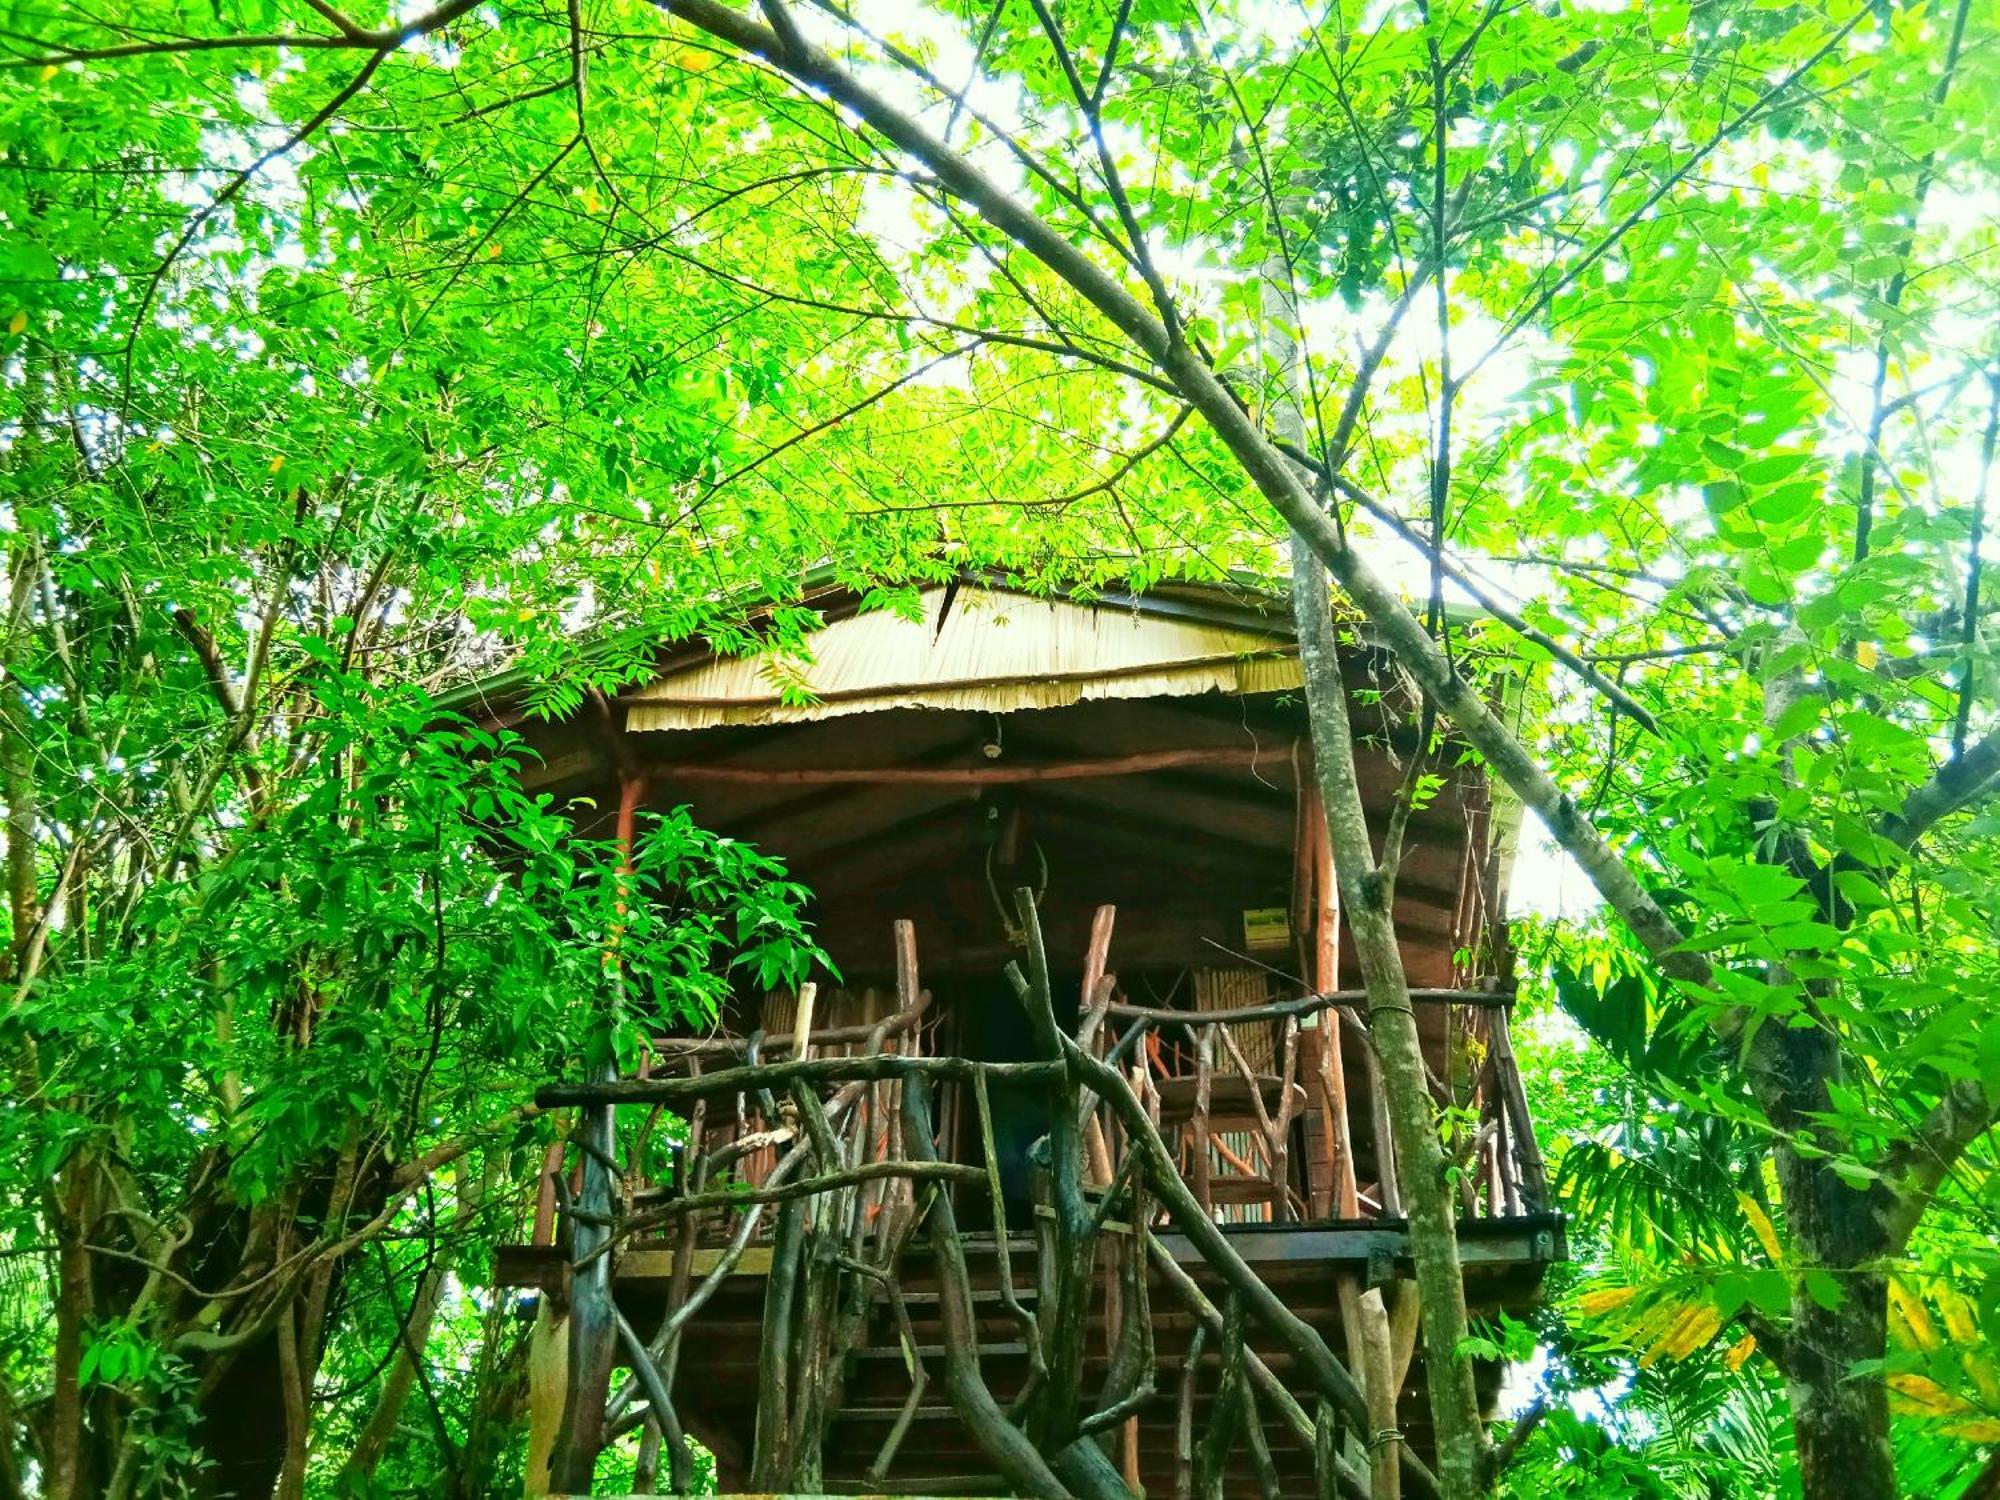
(1957, 784)
(1918, 1168)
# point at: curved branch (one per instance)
(1957, 785)
(1918, 1168)
(348, 36)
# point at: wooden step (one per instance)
(936, 1351)
(1230, 1105)
(931, 1297)
(1235, 1188)
(937, 1484)
(925, 1413)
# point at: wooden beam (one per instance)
(788, 806)
(1090, 818)
(993, 774)
(1277, 1010)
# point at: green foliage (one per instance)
(338, 376)
(1689, 1431)
(356, 979)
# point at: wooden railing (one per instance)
(1274, 1112)
(727, 1152)
(1160, 1119)
(1240, 1123)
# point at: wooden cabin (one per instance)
(1134, 765)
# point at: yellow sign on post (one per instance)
(1267, 927)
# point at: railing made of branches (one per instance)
(826, 1145)
(1242, 1093)
(1261, 1086)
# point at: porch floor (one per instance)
(1505, 1261)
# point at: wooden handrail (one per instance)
(881, 1068)
(893, 1024)
(1304, 1005)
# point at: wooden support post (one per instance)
(544, 1232)
(592, 1320)
(1326, 980)
(1534, 1185)
(692, 1179)
(1204, 1069)
(1184, 1414)
(772, 1457)
(1320, 1154)
(1280, 1127)
(802, 1020)
(1379, 1382)
(1385, 1141)
(548, 1381)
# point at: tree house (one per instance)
(1076, 1179)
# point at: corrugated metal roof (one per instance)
(996, 651)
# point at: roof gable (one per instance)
(976, 647)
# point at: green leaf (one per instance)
(1823, 1288)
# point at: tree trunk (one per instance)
(548, 1379)
(65, 1477)
(1366, 894)
(401, 1380)
(1841, 1423)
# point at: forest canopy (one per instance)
(350, 355)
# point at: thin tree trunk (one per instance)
(63, 1480)
(1366, 893)
(548, 1381)
(1840, 1424)
(592, 1313)
(292, 1471)
(382, 1421)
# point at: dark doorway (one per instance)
(992, 1027)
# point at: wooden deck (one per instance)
(1504, 1259)
(788, 1243)
(1505, 1262)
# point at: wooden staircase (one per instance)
(938, 1456)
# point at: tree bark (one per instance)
(382, 1421)
(1841, 1424)
(548, 1380)
(64, 1479)
(1365, 893)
